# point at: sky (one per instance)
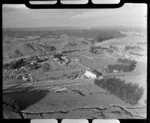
(134, 15)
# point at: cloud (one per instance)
(21, 16)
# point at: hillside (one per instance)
(17, 43)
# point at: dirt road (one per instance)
(46, 85)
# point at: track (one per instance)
(46, 85)
(50, 84)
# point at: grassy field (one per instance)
(93, 61)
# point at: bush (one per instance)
(130, 93)
(46, 67)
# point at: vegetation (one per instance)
(72, 75)
(120, 67)
(10, 101)
(102, 36)
(126, 61)
(47, 49)
(137, 54)
(46, 67)
(130, 93)
(113, 47)
(133, 48)
(11, 108)
(17, 64)
(23, 62)
(70, 46)
(125, 66)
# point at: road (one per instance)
(51, 84)
(46, 85)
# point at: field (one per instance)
(53, 83)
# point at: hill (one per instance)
(17, 43)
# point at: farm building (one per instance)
(89, 74)
(92, 74)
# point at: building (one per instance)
(115, 71)
(89, 74)
(92, 74)
(25, 78)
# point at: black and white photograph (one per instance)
(74, 63)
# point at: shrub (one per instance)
(46, 67)
(130, 93)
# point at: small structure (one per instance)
(76, 60)
(115, 71)
(25, 78)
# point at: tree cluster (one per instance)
(125, 66)
(120, 67)
(130, 93)
(126, 61)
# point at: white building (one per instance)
(115, 71)
(24, 78)
(89, 74)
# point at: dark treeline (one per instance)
(130, 93)
(126, 61)
(125, 65)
